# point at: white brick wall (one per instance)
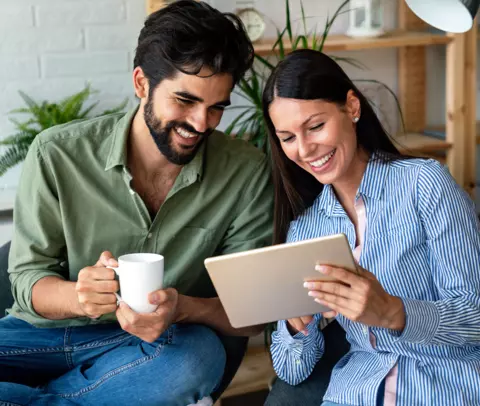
(56, 13)
(51, 48)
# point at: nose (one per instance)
(304, 148)
(199, 120)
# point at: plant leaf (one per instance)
(13, 156)
(351, 61)
(117, 109)
(233, 124)
(264, 62)
(289, 22)
(304, 19)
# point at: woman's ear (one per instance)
(353, 106)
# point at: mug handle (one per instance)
(117, 271)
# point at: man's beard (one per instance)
(162, 135)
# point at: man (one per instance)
(158, 179)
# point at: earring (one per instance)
(355, 119)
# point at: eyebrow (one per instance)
(189, 96)
(305, 122)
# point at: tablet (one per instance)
(266, 284)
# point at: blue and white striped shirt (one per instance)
(422, 242)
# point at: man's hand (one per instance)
(150, 326)
(96, 287)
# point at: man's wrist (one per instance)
(74, 305)
(194, 309)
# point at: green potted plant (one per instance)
(248, 124)
(42, 116)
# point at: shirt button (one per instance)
(149, 235)
(365, 329)
(132, 192)
(298, 362)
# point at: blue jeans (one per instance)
(104, 365)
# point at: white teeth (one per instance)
(323, 161)
(184, 133)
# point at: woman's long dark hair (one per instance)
(311, 75)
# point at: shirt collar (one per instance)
(194, 170)
(374, 178)
(372, 185)
(118, 150)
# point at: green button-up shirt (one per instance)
(75, 200)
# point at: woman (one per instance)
(412, 315)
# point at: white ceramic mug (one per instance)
(139, 274)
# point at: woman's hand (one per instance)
(358, 297)
(299, 324)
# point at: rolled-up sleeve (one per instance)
(38, 244)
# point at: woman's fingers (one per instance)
(357, 282)
(306, 320)
(298, 325)
(330, 315)
(330, 298)
(334, 288)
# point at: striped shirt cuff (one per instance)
(300, 343)
(422, 322)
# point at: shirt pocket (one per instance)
(188, 249)
(402, 236)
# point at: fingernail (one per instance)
(322, 269)
(154, 298)
(111, 262)
(319, 301)
(308, 285)
(310, 293)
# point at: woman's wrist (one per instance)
(395, 318)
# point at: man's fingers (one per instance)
(106, 259)
(129, 315)
(93, 298)
(96, 286)
(99, 274)
(94, 311)
(161, 296)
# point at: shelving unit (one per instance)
(458, 150)
(335, 43)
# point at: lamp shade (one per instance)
(447, 15)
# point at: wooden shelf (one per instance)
(420, 143)
(394, 39)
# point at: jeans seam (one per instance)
(113, 373)
(30, 351)
(101, 343)
(67, 348)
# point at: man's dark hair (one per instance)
(188, 35)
